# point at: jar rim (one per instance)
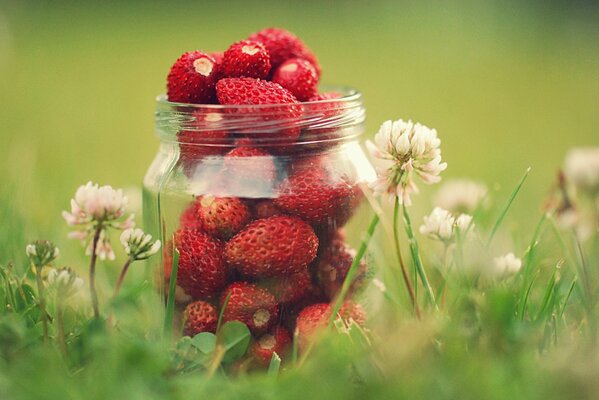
(334, 119)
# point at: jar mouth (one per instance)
(331, 119)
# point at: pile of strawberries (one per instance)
(276, 262)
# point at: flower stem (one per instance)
(402, 265)
(42, 301)
(92, 272)
(416, 257)
(351, 272)
(60, 326)
(119, 281)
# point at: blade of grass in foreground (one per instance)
(415, 252)
(170, 301)
(507, 206)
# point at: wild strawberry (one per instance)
(202, 269)
(275, 246)
(283, 45)
(199, 316)
(289, 289)
(315, 317)
(314, 194)
(278, 340)
(250, 91)
(332, 266)
(192, 78)
(218, 56)
(221, 217)
(299, 77)
(251, 166)
(245, 59)
(254, 306)
(265, 209)
(203, 138)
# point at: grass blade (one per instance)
(415, 252)
(275, 365)
(507, 206)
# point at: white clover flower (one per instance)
(442, 225)
(96, 207)
(400, 151)
(460, 195)
(581, 167)
(139, 245)
(64, 282)
(41, 252)
(506, 265)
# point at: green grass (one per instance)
(506, 85)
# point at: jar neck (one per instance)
(336, 119)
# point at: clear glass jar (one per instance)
(258, 197)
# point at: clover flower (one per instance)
(42, 252)
(443, 226)
(507, 265)
(65, 282)
(139, 245)
(400, 151)
(460, 195)
(581, 167)
(97, 208)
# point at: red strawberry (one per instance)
(314, 318)
(251, 166)
(218, 56)
(202, 269)
(204, 138)
(254, 306)
(189, 217)
(326, 96)
(332, 266)
(265, 209)
(192, 78)
(314, 194)
(283, 45)
(199, 316)
(299, 77)
(250, 91)
(245, 59)
(275, 246)
(277, 341)
(289, 289)
(221, 217)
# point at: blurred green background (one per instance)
(507, 85)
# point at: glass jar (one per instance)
(256, 199)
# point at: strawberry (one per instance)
(203, 138)
(332, 266)
(289, 289)
(283, 45)
(202, 269)
(218, 57)
(265, 209)
(251, 166)
(314, 195)
(275, 246)
(192, 78)
(199, 316)
(221, 217)
(189, 217)
(299, 77)
(278, 340)
(315, 317)
(254, 306)
(245, 59)
(250, 91)
(326, 96)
